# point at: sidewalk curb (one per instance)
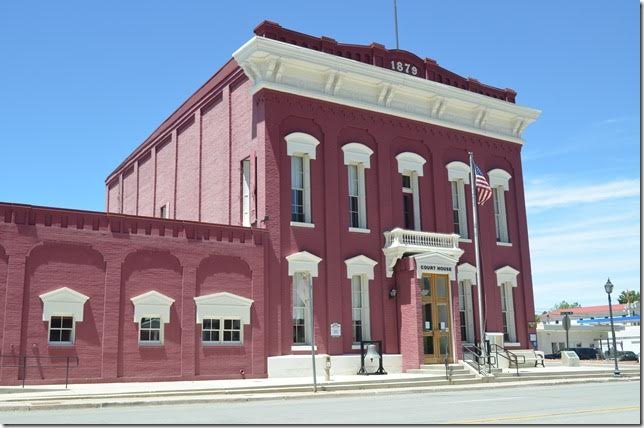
(61, 404)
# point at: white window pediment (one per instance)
(499, 178)
(299, 143)
(436, 263)
(63, 301)
(150, 304)
(303, 262)
(357, 153)
(506, 275)
(410, 162)
(467, 272)
(457, 170)
(360, 265)
(223, 305)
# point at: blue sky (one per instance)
(83, 83)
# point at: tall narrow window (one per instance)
(354, 197)
(297, 189)
(408, 202)
(500, 183)
(500, 218)
(356, 308)
(300, 309)
(459, 215)
(507, 309)
(410, 165)
(462, 312)
(245, 192)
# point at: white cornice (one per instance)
(283, 67)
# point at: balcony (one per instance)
(399, 242)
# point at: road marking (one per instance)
(541, 415)
(486, 399)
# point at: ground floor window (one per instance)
(61, 329)
(150, 330)
(360, 308)
(300, 309)
(466, 312)
(507, 309)
(221, 330)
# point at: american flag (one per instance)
(484, 191)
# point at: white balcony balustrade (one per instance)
(399, 242)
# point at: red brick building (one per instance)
(344, 167)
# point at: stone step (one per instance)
(527, 377)
(442, 375)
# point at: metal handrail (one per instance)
(477, 353)
(511, 356)
(22, 364)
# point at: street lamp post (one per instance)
(609, 289)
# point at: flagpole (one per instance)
(396, 22)
(479, 285)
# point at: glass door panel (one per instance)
(434, 293)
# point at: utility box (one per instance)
(569, 358)
(497, 339)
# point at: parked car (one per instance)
(585, 353)
(553, 356)
(629, 356)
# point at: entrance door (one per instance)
(436, 318)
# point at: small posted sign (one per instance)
(336, 329)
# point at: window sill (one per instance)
(504, 244)
(301, 224)
(150, 345)
(61, 344)
(359, 230)
(357, 347)
(469, 241)
(218, 345)
(511, 344)
(303, 347)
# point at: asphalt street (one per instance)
(596, 403)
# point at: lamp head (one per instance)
(608, 286)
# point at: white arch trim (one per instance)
(360, 265)
(299, 143)
(457, 170)
(223, 304)
(152, 303)
(499, 177)
(355, 153)
(303, 262)
(63, 301)
(466, 272)
(506, 275)
(410, 162)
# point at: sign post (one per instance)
(566, 325)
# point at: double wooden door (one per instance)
(436, 318)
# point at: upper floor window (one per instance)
(410, 165)
(499, 182)
(245, 192)
(458, 174)
(357, 158)
(301, 148)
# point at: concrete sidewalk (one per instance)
(183, 392)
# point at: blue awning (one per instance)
(632, 318)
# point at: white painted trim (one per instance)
(506, 274)
(457, 170)
(511, 343)
(499, 177)
(356, 153)
(303, 347)
(504, 244)
(303, 261)
(151, 304)
(409, 162)
(359, 230)
(223, 305)
(319, 75)
(466, 272)
(63, 302)
(300, 144)
(360, 265)
(466, 240)
(301, 224)
(439, 260)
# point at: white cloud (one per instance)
(548, 196)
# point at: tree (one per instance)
(629, 296)
(566, 305)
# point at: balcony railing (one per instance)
(399, 242)
(414, 238)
